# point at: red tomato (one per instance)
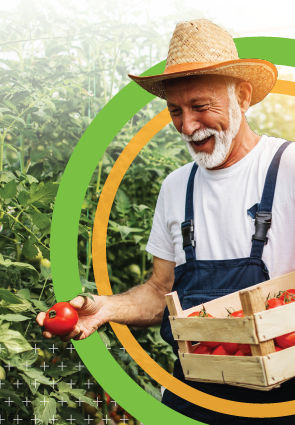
(60, 319)
(202, 349)
(230, 347)
(278, 348)
(286, 340)
(274, 302)
(288, 296)
(245, 348)
(238, 313)
(108, 398)
(240, 353)
(201, 313)
(220, 351)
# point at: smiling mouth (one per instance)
(201, 142)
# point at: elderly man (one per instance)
(204, 239)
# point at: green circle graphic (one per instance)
(65, 223)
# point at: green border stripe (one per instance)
(65, 223)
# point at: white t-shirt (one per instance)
(223, 229)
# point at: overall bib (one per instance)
(199, 281)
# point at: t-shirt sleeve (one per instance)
(160, 241)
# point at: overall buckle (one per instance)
(262, 224)
(187, 230)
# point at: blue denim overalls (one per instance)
(199, 281)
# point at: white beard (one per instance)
(223, 139)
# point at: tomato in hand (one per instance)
(286, 341)
(60, 319)
(273, 302)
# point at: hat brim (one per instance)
(260, 73)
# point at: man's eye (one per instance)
(174, 111)
(201, 107)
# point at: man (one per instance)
(203, 222)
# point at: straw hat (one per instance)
(200, 47)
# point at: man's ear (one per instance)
(244, 95)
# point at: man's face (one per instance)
(202, 112)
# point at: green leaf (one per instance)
(9, 190)
(29, 249)
(44, 408)
(6, 176)
(77, 393)
(13, 396)
(20, 267)
(40, 305)
(13, 341)
(13, 317)
(23, 197)
(42, 221)
(9, 297)
(33, 385)
(37, 374)
(42, 193)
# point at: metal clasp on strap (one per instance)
(187, 230)
(262, 224)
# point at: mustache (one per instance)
(199, 135)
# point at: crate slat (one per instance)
(239, 329)
(280, 365)
(224, 369)
(275, 322)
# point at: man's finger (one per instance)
(40, 318)
(78, 302)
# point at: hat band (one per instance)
(191, 66)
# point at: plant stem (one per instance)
(89, 254)
(27, 229)
(42, 290)
(2, 137)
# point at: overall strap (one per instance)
(187, 227)
(263, 214)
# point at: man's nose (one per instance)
(190, 124)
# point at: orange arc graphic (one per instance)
(104, 288)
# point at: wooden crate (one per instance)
(266, 368)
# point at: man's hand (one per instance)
(142, 305)
(92, 315)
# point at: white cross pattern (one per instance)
(52, 383)
(26, 401)
(62, 366)
(88, 419)
(71, 419)
(44, 401)
(9, 402)
(8, 365)
(124, 419)
(53, 348)
(88, 383)
(17, 383)
(2, 384)
(1, 419)
(71, 383)
(35, 349)
(17, 419)
(35, 419)
(71, 348)
(53, 419)
(62, 401)
(43, 366)
(79, 366)
(79, 402)
(106, 419)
